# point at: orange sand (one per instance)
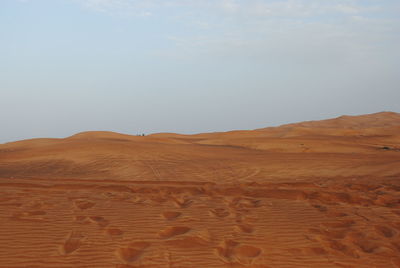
(313, 194)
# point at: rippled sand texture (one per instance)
(313, 194)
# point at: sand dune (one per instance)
(312, 194)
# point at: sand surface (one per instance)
(312, 194)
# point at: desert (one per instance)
(311, 194)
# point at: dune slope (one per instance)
(312, 194)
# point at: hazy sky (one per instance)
(190, 66)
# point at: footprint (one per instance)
(173, 231)
(29, 216)
(73, 242)
(220, 212)
(99, 220)
(182, 202)
(84, 204)
(240, 203)
(109, 194)
(245, 228)
(225, 251)
(366, 245)
(320, 208)
(249, 203)
(171, 215)
(342, 248)
(132, 252)
(82, 219)
(335, 233)
(114, 232)
(129, 254)
(384, 231)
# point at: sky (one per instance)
(191, 66)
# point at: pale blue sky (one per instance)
(190, 66)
